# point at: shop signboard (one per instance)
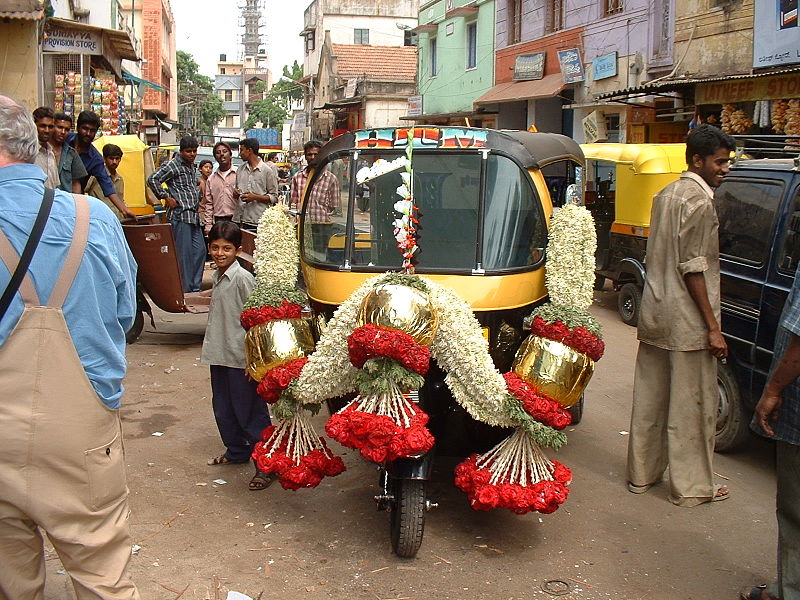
(594, 127)
(350, 88)
(571, 65)
(299, 121)
(604, 66)
(414, 106)
(776, 35)
(528, 67)
(73, 41)
(667, 133)
(772, 87)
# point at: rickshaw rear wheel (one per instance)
(576, 411)
(407, 518)
(628, 303)
(136, 329)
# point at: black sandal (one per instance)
(261, 481)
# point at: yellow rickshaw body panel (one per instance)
(642, 170)
(483, 293)
(136, 165)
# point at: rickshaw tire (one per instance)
(576, 411)
(733, 421)
(136, 329)
(599, 282)
(629, 302)
(407, 518)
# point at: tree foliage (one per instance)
(198, 89)
(273, 108)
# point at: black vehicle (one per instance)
(758, 205)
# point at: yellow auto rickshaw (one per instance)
(621, 180)
(484, 204)
(136, 165)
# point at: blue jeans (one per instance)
(240, 412)
(191, 250)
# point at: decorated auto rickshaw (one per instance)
(428, 322)
(621, 180)
(136, 165)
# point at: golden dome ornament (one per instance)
(400, 307)
(274, 343)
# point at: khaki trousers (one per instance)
(675, 398)
(62, 468)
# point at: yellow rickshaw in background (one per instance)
(621, 180)
(163, 153)
(484, 201)
(136, 165)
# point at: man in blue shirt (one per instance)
(62, 360)
(182, 198)
(88, 124)
(778, 416)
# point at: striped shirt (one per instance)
(181, 180)
(322, 199)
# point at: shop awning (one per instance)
(339, 104)
(546, 87)
(140, 81)
(119, 41)
(24, 10)
(466, 114)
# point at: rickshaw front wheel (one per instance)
(629, 302)
(407, 518)
(136, 329)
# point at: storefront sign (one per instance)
(667, 133)
(299, 121)
(754, 88)
(776, 35)
(414, 106)
(73, 41)
(350, 88)
(594, 127)
(571, 65)
(604, 66)
(529, 66)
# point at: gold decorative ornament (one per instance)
(554, 368)
(400, 307)
(274, 343)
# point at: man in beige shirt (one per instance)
(675, 392)
(46, 158)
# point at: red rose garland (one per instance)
(370, 341)
(279, 378)
(272, 455)
(256, 316)
(580, 339)
(378, 437)
(539, 406)
(543, 496)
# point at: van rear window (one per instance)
(746, 210)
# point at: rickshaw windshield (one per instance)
(460, 227)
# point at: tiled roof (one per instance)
(393, 63)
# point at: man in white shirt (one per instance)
(46, 158)
(219, 202)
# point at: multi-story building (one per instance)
(455, 62)
(229, 85)
(159, 105)
(383, 23)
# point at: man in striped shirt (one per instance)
(321, 200)
(182, 198)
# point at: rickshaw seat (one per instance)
(153, 247)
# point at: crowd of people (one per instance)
(62, 339)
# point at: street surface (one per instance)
(198, 539)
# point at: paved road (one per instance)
(200, 539)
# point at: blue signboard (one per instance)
(265, 137)
(604, 66)
(571, 65)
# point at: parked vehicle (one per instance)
(484, 199)
(621, 181)
(136, 165)
(758, 205)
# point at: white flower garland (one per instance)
(329, 373)
(380, 167)
(570, 257)
(277, 253)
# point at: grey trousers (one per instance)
(788, 511)
(675, 399)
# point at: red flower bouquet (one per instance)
(296, 454)
(279, 378)
(538, 405)
(251, 317)
(379, 437)
(370, 341)
(579, 338)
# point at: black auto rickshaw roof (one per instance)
(532, 150)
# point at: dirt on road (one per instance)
(199, 532)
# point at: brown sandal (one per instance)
(225, 460)
(261, 481)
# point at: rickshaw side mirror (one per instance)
(573, 195)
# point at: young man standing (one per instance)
(322, 201)
(218, 200)
(81, 141)
(112, 155)
(256, 186)
(181, 199)
(675, 392)
(70, 165)
(46, 158)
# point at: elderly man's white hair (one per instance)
(18, 139)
